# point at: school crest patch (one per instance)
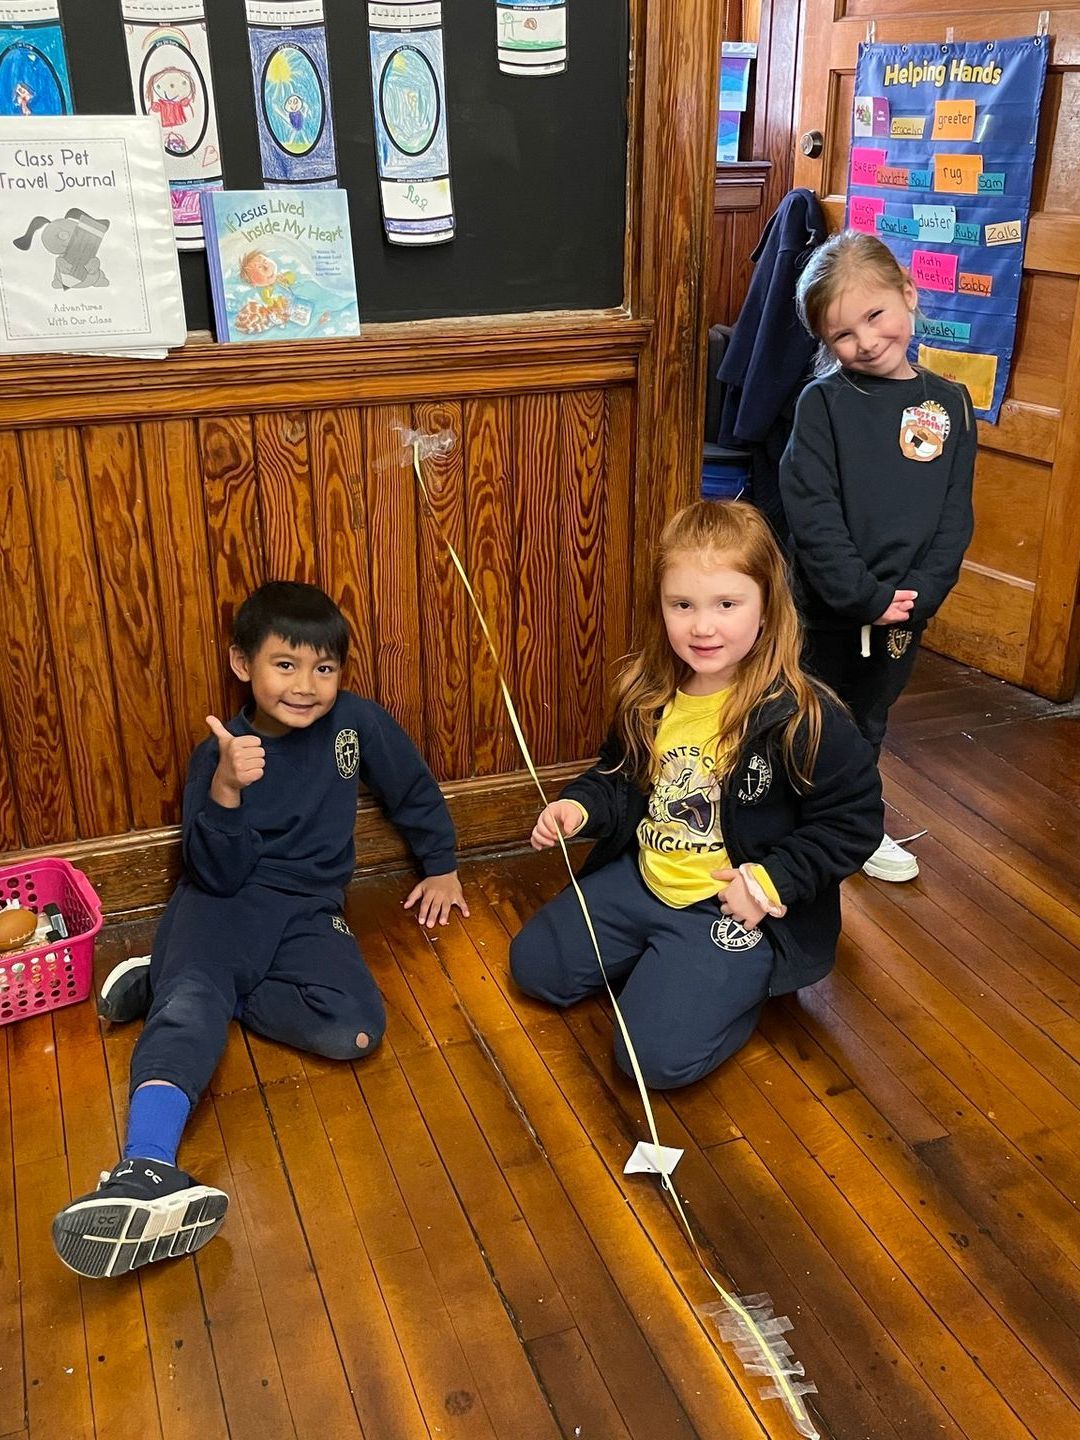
(924, 430)
(897, 641)
(730, 934)
(755, 780)
(347, 753)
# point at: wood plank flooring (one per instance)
(440, 1241)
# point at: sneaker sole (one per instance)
(894, 873)
(112, 980)
(107, 1237)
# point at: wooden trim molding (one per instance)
(139, 871)
(677, 155)
(1053, 648)
(422, 360)
(740, 185)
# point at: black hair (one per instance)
(300, 614)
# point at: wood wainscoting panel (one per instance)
(133, 628)
(582, 441)
(128, 545)
(38, 805)
(446, 614)
(491, 563)
(536, 461)
(342, 540)
(65, 542)
(181, 551)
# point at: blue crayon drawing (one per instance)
(292, 88)
(33, 71)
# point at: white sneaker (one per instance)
(891, 861)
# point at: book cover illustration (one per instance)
(87, 259)
(33, 61)
(281, 265)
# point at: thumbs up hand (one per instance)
(241, 761)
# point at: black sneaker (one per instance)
(143, 1210)
(125, 991)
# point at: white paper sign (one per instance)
(87, 257)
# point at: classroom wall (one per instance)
(140, 501)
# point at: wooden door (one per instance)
(1014, 611)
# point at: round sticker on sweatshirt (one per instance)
(923, 430)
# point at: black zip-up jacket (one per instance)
(808, 842)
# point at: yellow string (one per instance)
(791, 1400)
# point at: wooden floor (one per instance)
(440, 1241)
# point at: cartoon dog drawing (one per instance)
(74, 241)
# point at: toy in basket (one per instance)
(43, 974)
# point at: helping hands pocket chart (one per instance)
(942, 153)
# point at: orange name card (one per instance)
(954, 120)
(957, 173)
(974, 284)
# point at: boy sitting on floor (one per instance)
(255, 928)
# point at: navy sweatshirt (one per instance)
(866, 518)
(293, 828)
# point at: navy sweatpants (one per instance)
(695, 979)
(285, 965)
(868, 684)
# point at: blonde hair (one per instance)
(849, 258)
(708, 532)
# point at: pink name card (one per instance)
(934, 269)
(864, 165)
(863, 211)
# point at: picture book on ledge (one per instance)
(87, 257)
(281, 265)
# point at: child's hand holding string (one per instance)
(900, 608)
(561, 815)
(736, 900)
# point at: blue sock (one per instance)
(156, 1121)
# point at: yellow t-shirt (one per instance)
(681, 838)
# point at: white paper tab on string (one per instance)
(649, 1159)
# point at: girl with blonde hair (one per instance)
(876, 484)
(730, 799)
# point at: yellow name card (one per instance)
(977, 372)
(907, 127)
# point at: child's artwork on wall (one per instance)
(291, 79)
(281, 265)
(531, 36)
(943, 146)
(169, 60)
(33, 62)
(409, 97)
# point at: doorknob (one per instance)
(811, 143)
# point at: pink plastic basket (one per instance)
(33, 981)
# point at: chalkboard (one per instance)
(538, 164)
